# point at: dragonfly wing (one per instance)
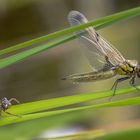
(96, 59)
(99, 52)
(114, 56)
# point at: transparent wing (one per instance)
(100, 53)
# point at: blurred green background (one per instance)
(39, 77)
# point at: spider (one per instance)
(5, 104)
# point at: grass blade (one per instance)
(23, 55)
(13, 119)
(64, 101)
(28, 53)
(132, 134)
(115, 18)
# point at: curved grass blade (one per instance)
(13, 119)
(22, 130)
(114, 18)
(132, 134)
(64, 101)
(28, 53)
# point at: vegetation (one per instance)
(40, 109)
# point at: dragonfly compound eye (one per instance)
(138, 72)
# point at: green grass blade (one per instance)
(115, 18)
(13, 119)
(22, 131)
(23, 55)
(64, 101)
(132, 134)
(28, 53)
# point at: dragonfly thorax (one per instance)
(129, 67)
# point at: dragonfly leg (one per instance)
(114, 87)
(133, 83)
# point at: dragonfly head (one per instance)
(138, 71)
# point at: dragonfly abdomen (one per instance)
(91, 76)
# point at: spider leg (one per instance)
(14, 99)
(12, 114)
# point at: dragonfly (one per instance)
(5, 104)
(106, 61)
